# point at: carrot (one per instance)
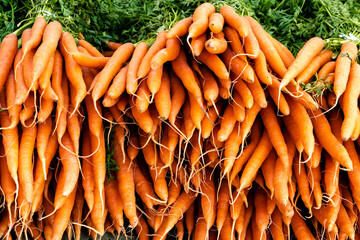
(36, 34)
(251, 45)
(311, 48)
(316, 63)
(162, 97)
(303, 122)
(10, 141)
(112, 67)
(234, 40)
(235, 21)
(267, 169)
(261, 216)
(350, 104)
(7, 183)
(326, 70)
(276, 227)
(244, 91)
(201, 231)
(237, 66)
(143, 97)
(302, 183)
(27, 70)
(209, 85)
(77, 211)
(113, 201)
(174, 191)
(200, 20)
(273, 128)
(333, 211)
(261, 69)
(207, 123)
(91, 49)
(159, 43)
(344, 223)
(171, 139)
(43, 135)
(179, 208)
(214, 63)
(353, 178)
(294, 132)
(26, 149)
(222, 204)
(258, 92)
(216, 22)
(89, 61)
(39, 177)
(180, 231)
(113, 45)
(342, 68)
(169, 53)
(73, 69)
(267, 47)
(185, 73)
(190, 219)
(158, 175)
(131, 77)
(8, 49)
(216, 44)
(260, 153)
(239, 107)
(299, 227)
(227, 124)
(177, 98)
(142, 229)
(208, 200)
(125, 176)
(50, 39)
(144, 119)
(286, 56)
(328, 140)
(87, 170)
(21, 89)
(13, 109)
(62, 216)
(180, 28)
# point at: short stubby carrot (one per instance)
(217, 44)
(197, 44)
(216, 22)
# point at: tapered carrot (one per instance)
(267, 169)
(177, 98)
(125, 176)
(185, 73)
(207, 124)
(342, 69)
(27, 70)
(300, 228)
(353, 177)
(113, 45)
(208, 200)
(169, 53)
(273, 128)
(131, 75)
(180, 28)
(235, 21)
(302, 183)
(36, 34)
(121, 55)
(227, 124)
(114, 202)
(286, 56)
(62, 216)
(45, 82)
(350, 103)
(159, 44)
(234, 40)
(214, 63)
(7, 183)
(261, 69)
(21, 89)
(279, 99)
(142, 97)
(90, 48)
(237, 66)
(316, 63)
(294, 132)
(267, 48)
(163, 98)
(13, 109)
(200, 20)
(158, 174)
(251, 45)
(144, 119)
(154, 79)
(8, 49)
(243, 91)
(326, 70)
(209, 85)
(257, 92)
(328, 140)
(261, 216)
(87, 170)
(26, 149)
(50, 39)
(260, 153)
(311, 48)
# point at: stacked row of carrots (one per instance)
(207, 133)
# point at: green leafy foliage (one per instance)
(317, 87)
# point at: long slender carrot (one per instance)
(134, 63)
(235, 21)
(8, 49)
(180, 28)
(169, 53)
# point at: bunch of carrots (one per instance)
(205, 134)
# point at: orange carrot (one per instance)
(162, 97)
(180, 28)
(217, 44)
(237, 66)
(131, 75)
(8, 49)
(235, 21)
(200, 20)
(91, 49)
(169, 53)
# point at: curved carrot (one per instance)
(261, 69)
(121, 55)
(237, 66)
(8, 49)
(50, 39)
(154, 79)
(257, 92)
(169, 53)
(235, 21)
(162, 97)
(234, 40)
(143, 97)
(177, 98)
(217, 44)
(131, 75)
(200, 20)
(209, 85)
(306, 54)
(180, 28)
(251, 45)
(145, 65)
(90, 48)
(198, 44)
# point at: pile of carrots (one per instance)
(205, 134)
